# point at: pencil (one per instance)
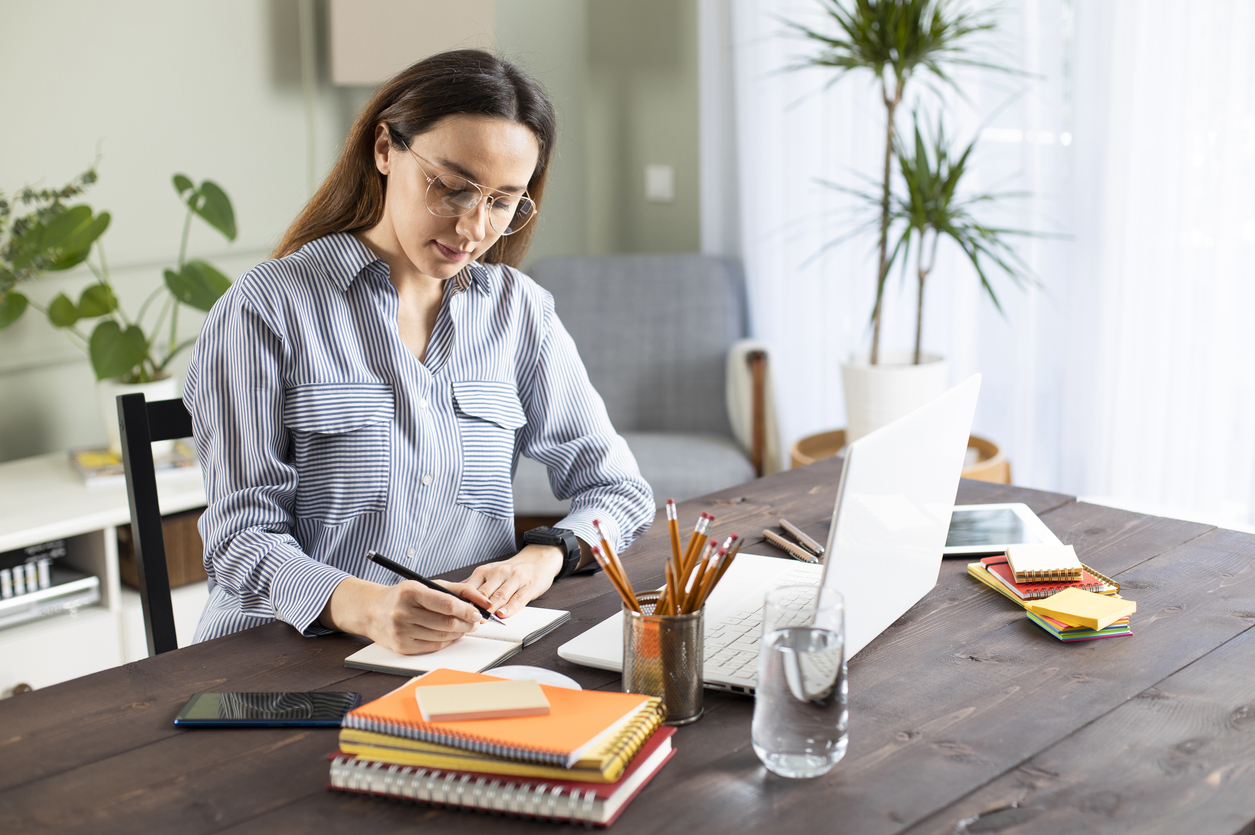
(727, 561)
(694, 586)
(793, 550)
(713, 573)
(619, 583)
(801, 537)
(696, 541)
(613, 559)
(673, 526)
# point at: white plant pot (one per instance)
(879, 394)
(108, 391)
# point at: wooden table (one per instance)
(965, 717)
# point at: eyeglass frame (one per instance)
(484, 195)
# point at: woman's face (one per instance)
(497, 154)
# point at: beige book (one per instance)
(481, 700)
(1040, 563)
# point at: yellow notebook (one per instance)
(579, 721)
(606, 764)
(1082, 608)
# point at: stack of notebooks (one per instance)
(581, 761)
(1037, 576)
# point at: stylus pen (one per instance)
(414, 575)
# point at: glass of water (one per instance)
(801, 718)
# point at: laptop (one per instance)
(889, 523)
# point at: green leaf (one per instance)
(216, 209)
(78, 245)
(114, 352)
(12, 306)
(97, 300)
(198, 284)
(64, 226)
(62, 312)
(182, 183)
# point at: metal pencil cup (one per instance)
(662, 656)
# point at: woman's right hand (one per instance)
(408, 618)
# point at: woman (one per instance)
(372, 387)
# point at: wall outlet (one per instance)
(660, 183)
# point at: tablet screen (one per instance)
(980, 529)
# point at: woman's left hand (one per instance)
(512, 584)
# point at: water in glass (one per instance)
(801, 717)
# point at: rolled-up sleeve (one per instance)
(569, 432)
(235, 393)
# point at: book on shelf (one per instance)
(490, 644)
(578, 721)
(1064, 632)
(101, 467)
(544, 798)
(998, 567)
(1039, 563)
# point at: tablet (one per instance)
(984, 529)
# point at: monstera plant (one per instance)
(128, 349)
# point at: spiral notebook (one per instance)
(592, 804)
(577, 722)
(603, 763)
(1043, 563)
(490, 644)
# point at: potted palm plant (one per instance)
(894, 41)
(127, 354)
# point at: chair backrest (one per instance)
(141, 423)
(653, 332)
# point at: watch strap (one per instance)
(561, 538)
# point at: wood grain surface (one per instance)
(965, 717)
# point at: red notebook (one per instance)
(1035, 591)
(593, 804)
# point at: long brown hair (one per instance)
(412, 102)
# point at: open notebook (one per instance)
(488, 646)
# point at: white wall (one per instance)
(212, 88)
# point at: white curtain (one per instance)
(1128, 373)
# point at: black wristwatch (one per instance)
(561, 538)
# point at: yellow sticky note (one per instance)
(481, 700)
(1084, 608)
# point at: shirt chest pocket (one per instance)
(341, 447)
(488, 414)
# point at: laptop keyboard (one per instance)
(732, 643)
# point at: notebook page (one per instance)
(470, 654)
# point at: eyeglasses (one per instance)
(452, 196)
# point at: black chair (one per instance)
(141, 423)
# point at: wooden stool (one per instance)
(989, 464)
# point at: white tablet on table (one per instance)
(984, 529)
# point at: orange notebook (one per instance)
(578, 720)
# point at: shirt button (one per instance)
(427, 479)
(422, 404)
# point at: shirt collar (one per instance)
(346, 258)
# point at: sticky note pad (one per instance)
(1084, 608)
(481, 700)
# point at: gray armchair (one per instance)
(654, 332)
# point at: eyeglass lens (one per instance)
(451, 196)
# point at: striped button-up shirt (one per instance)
(322, 436)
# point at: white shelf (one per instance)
(45, 499)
